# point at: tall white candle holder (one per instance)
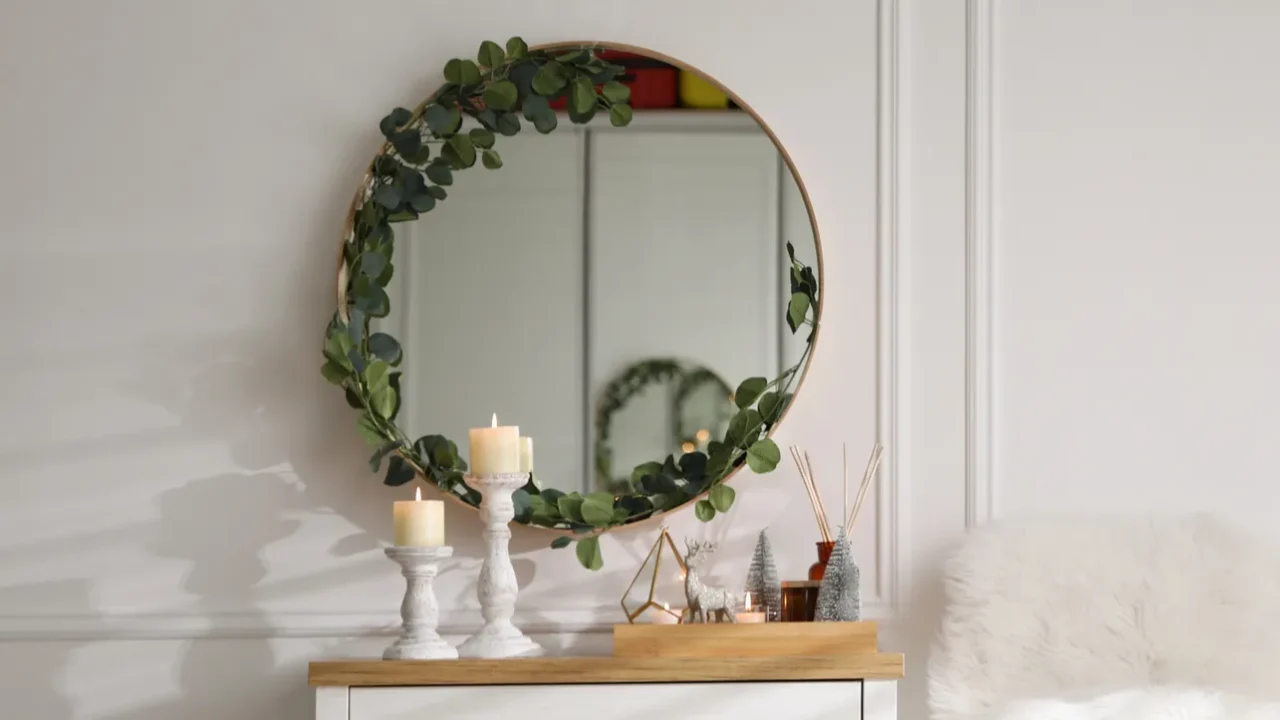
(419, 610)
(497, 587)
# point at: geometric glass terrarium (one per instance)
(656, 593)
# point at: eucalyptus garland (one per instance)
(424, 148)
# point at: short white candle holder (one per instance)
(420, 612)
(497, 587)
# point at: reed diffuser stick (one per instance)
(844, 481)
(822, 508)
(807, 479)
(873, 464)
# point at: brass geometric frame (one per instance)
(650, 603)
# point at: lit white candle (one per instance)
(749, 616)
(418, 522)
(494, 449)
(526, 454)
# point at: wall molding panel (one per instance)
(979, 335)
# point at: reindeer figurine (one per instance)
(705, 601)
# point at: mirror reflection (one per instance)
(646, 261)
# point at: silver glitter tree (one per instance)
(762, 577)
(840, 596)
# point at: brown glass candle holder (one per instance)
(799, 600)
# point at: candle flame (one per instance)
(748, 602)
(495, 420)
(666, 606)
(417, 493)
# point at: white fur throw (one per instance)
(1147, 704)
(1072, 608)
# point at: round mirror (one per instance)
(536, 240)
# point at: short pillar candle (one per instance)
(495, 450)
(418, 522)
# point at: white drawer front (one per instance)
(730, 701)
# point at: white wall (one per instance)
(188, 517)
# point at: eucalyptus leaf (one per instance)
(693, 466)
(373, 263)
(437, 192)
(384, 402)
(440, 174)
(488, 118)
(509, 124)
(553, 496)
(453, 71)
(535, 106)
(399, 472)
(546, 122)
(561, 542)
(423, 202)
(704, 510)
(749, 391)
(649, 468)
(442, 121)
(763, 455)
(721, 497)
(469, 75)
(597, 509)
(550, 79)
(376, 376)
(582, 95)
(369, 431)
(522, 74)
(371, 298)
(615, 92)
(375, 462)
(570, 507)
(744, 428)
(771, 406)
(501, 95)
(333, 372)
(589, 553)
(395, 120)
(797, 309)
(353, 400)
(620, 115)
(491, 159)
(516, 48)
(481, 138)
(388, 196)
(491, 54)
(403, 216)
(460, 151)
(408, 143)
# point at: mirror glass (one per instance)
(592, 251)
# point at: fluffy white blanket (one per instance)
(1146, 704)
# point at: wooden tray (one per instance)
(724, 640)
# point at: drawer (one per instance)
(657, 701)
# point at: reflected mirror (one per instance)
(592, 249)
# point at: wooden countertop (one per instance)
(604, 669)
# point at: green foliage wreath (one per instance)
(424, 148)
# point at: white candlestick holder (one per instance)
(497, 587)
(419, 610)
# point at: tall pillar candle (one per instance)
(418, 522)
(494, 450)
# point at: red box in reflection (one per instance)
(653, 83)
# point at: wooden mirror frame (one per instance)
(344, 274)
